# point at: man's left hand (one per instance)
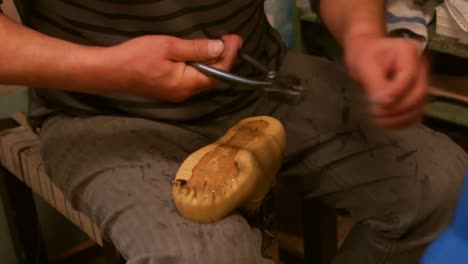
(394, 76)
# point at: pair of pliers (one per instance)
(277, 87)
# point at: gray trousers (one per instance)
(399, 186)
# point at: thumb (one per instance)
(374, 75)
(369, 75)
(195, 50)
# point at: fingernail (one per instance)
(382, 98)
(381, 101)
(375, 109)
(215, 48)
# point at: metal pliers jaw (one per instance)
(278, 88)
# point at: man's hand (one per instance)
(393, 74)
(391, 70)
(156, 66)
(153, 66)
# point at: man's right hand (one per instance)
(155, 66)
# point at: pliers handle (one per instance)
(229, 77)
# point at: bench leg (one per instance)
(320, 232)
(111, 255)
(22, 219)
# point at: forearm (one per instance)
(33, 59)
(347, 19)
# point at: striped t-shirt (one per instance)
(110, 22)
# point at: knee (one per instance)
(423, 210)
(442, 182)
(441, 200)
(432, 193)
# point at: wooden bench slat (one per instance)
(20, 154)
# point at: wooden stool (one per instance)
(23, 172)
